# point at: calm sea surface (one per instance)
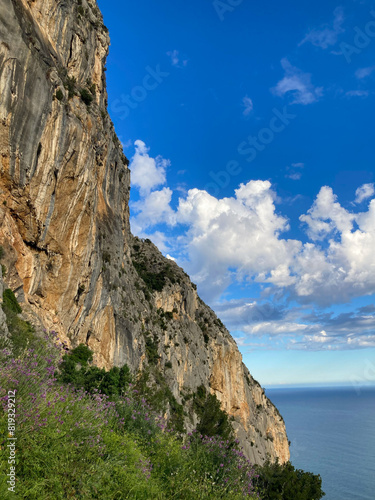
(332, 431)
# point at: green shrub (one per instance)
(80, 290)
(10, 302)
(213, 420)
(153, 281)
(59, 95)
(86, 96)
(151, 348)
(75, 369)
(1, 252)
(22, 333)
(70, 85)
(284, 482)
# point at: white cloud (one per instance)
(298, 85)
(357, 93)
(241, 232)
(364, 72)
(176, 59)
(296, 327)
(326, 215)
(295, 176)
(248, 106)
(294, 172)
(327, 35)
(154, 209)
(147, 173)
(364, 192)
(243, 238)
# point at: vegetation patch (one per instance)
(213, 420)
(153, 281)
(113, 443)
(86, 96)
(151, 348)
(59, 95)
(22, 333)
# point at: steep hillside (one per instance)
(64, 225)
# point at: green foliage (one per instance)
(151, 384)
(22, 333)
(75, 369)
(59, 95)
(213, 420)
(106, 257)
(92, 87)
(1, 252)
(153, 281)
(70, 85)
(151, 348)
(81, 354)
(86, 96)
(80, 290)
(10, 302)
(3, 270)
(284, 482)
(169, 273)
(71, 444)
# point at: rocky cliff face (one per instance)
(64, 224)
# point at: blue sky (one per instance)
(249, 127)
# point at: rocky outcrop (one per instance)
(64, 223)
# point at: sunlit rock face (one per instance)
(64, 223)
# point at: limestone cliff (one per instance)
(64, 223)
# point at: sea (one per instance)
(332, 433)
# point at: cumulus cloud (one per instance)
(326, 215)
(241, 232)
(154, 209)
(327, 35)
(147, 173)
(364, 192)
(297, 85)
(248, 106)
(244, 239)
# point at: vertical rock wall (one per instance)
(64, 223)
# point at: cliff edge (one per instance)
(64, 224)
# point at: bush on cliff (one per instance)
(280, 482)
